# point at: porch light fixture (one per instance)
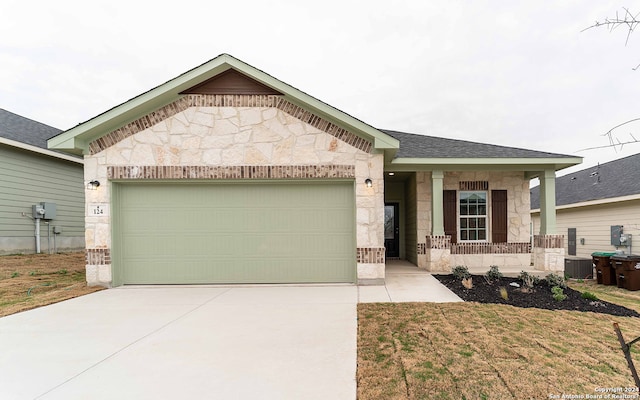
(392, 173)
(368, 182)
(93, 185)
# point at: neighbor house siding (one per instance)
(593, 224)
(28, 178)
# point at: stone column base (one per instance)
(98, 275)
(548, 253)
(438, 254)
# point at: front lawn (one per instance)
(492, 351)
(35, 280)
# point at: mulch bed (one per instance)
(539, 297)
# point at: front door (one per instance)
(391, 230)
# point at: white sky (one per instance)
(514, 73)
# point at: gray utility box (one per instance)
(578, 267)
(616, 231)
(44, 210)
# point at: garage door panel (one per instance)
(235, 233)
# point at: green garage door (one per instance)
(259, 232)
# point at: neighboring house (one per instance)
(225, 174)
(589, 202)
(31, 174)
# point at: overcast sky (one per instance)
(514, 73)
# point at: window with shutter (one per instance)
(467, 217)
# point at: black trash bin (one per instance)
(627, 268)
(604, 273)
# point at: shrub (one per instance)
(461, 272)
(556, 280)
(528, 280)
(504, 294)
(589, 296)
(493, 274)
(558, 293)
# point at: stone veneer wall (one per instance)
(236, 137)
(423, 209)
(411, 217)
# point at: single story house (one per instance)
(31, 174)
(592, 201)
(226, 174)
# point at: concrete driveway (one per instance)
(267, 342)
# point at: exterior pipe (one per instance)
(48, 237)
(37, 235)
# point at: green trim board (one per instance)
(233, 232)
(533, 166)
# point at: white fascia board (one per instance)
(40, 150)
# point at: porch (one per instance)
(438, 220)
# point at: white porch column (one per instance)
(437, 218)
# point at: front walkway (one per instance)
(406, 283)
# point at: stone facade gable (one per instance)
(202, 100)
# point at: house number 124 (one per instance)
(98, 210)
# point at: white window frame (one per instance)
(464, 193)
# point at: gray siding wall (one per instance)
(593, 224)
(28, 178)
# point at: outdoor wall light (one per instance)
(368, 182)
(93, 185)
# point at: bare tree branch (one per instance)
(628, 20)
(614, 141)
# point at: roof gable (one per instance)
(231, 82)
(77, 139)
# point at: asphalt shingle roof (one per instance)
(613, 179)
(421, 146)
(25, 130)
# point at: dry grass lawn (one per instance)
(34, 280)
(488, 351)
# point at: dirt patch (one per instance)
(540, 296)
(34, 280)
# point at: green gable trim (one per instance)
(77, 139)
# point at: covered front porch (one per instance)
(439, 219)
